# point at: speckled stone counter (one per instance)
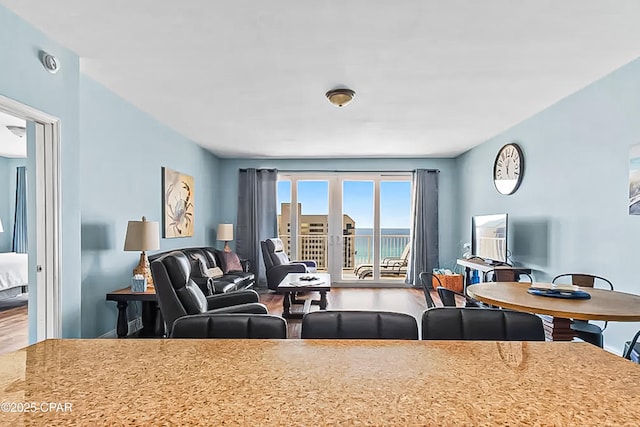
(313, 383)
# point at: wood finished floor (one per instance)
(14, 329)
(410, 301)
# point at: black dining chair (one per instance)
(426, 280)
(447, 296)
(468, 323)
(230, 325)
(630, 346)
(586, 331)
(507, 275)
(355, 324)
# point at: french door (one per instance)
(354, 225)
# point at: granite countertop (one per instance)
(316, 382)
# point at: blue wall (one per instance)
(449, 248)
(23, 79)
(109, 176)
(8, 199)
(571, 211)
(121, 156)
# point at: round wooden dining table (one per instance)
(604, 305)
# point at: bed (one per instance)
(14, 274)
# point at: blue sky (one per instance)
(395, 201)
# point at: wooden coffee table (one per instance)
(292, 284)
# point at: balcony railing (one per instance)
(357, 249)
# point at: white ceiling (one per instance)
(247, 78)
(11, 145)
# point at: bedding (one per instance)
(14, 270)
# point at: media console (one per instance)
(507, 273)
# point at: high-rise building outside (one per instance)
(313, 231)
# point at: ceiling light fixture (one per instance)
(340, 97)
(18, 131)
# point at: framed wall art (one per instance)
(177, 203)
(634, 180)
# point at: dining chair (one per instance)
(426, 280)
(359, 324)
(232, 325)
(507, 275)
(586, 331)
(629, 347)
(465, 323)
(447, 296)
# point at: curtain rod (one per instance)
(353, 171)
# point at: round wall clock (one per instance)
(508, 169)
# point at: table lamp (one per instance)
(143, 236)
(225, 234)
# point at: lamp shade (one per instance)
(225, 232)
(142, 236)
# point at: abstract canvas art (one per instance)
(634, 180)
(177, 204)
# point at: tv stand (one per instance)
(483, 266)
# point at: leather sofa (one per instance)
(203, 259)
(180, 297)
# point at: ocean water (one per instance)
(393, 242)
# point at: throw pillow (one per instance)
(230, 262)
(201, 270)
(215, 272)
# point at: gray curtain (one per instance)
(20, 220)
(424, 230)
(257, 216)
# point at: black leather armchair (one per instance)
(346, 324)
(450, 323)
(179, 296)
(230, 325)
(278, 265)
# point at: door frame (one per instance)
(45, 258)
(334, 179)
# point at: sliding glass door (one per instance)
(355, 226)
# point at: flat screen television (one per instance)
(489, 237)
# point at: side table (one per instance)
(152, 321)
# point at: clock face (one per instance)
(508, 169)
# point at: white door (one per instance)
(43, 193)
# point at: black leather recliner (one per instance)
(278, 265)
(463, 323)
(230, 325)
(179, 296)
(355, 324)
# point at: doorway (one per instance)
(354, 225)
(41, 235)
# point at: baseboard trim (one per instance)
(134, 326)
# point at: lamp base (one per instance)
(226, 247)
(144, 268)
